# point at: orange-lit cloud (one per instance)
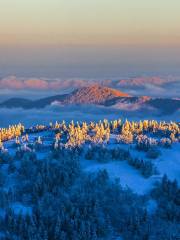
(14, 83)
(36, 84)
(11, 83)
(151, 86)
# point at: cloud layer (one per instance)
(14, 83)
(76, 113)
(151, 86)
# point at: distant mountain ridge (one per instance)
(94, 94)
(99, 95)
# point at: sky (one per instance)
(89, 38)
(85, 22)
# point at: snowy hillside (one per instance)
(108, 167)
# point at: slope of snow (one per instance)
(169, 162)
(129, 177)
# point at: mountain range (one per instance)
(98, 95)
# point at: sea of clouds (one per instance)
(77, 113)
(151, 86)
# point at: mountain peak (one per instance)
(95, 94)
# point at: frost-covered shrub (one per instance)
(5, 157)
(146, 167)
(66, 152)
(25, 152)
(11, 132)
(2, 178)
(11, 167)
(25, 138)
(120, 154)
(28, 166)
(3, 199)
(17, 142)
(38, 144)
(98, 153)
(165, 142)
(126, 137)
(167, 195)
(153, 153)
(104, 154)
(89, 155)
(144, 143)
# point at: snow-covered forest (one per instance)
(90, 180)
